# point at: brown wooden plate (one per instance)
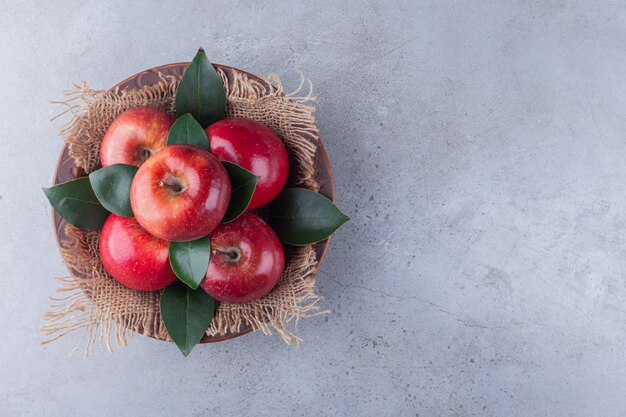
(66, 168)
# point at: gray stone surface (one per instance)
(479, 148)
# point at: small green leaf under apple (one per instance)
(187, 314)
(302, 217)
(243, 183)
(76, 202)
(186, 130)
(190, 260)
(201, 92)
(111, 185)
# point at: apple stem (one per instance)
(232, 254)
(173, 187)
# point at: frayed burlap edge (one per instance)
(98, 305)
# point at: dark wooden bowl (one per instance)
(66, 168)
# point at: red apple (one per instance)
(181, 193)
(133, 257)
(256, 148)
(247, 260)
(134, 136)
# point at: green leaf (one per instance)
(111, 185)
(76, 202)
(190, 260)
(187, 130)
(201, 92)
(187, 314)
(243, 183)
(300, 216)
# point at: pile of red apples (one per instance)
(181, 192)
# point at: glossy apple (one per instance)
(181, 193)
(247, 260)
(133, 257)
(134, 136)
(256, 148)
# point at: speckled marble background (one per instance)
(480, 150)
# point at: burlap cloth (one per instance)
(98, 305)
